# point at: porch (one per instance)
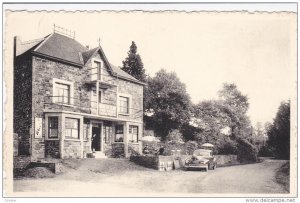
(77, 136)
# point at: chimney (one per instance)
(17, 43)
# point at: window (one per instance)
(98, 68)
(124, 105)
(62, 91)
(100, 97)
(107, 130)
(119, 133)
(52, 127)
(72, 128)
(85, 131)
(133, 133)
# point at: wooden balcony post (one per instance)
(97, 96)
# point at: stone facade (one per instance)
(72, 149)
(34, 99)
(23, 101)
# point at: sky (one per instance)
(256, 51)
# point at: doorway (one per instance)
(96, 138)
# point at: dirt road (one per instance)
(118, 177)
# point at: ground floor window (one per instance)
(52, 127)
(133, 133)
(72, 128)
(119, 133)
(107, 131)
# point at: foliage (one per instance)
(279, 132)
(190, 147)
(174, 136)
(246, 151)
(225, 146)
(190, 132)
(133, 64)
(213, 117)
(166, 102)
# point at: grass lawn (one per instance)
(283, 176)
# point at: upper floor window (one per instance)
(124, 105)
(62, 91)
(97, 69)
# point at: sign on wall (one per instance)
(38, 127)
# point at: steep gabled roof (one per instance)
(122, 73)
(62, 47)
(23, 47)
(88, 54)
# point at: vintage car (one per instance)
(201, 159)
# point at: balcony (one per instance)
(104, 80)
(105, 110)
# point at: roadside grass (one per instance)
(283, 176)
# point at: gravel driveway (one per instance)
(120, 177)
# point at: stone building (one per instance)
(70, 102)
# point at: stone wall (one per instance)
(226, 160)
(16, 144)
(72, 149)
(124, 87)
(44, 71)
(164, 163)
(52, 148)
(136, 91)
(23, 101)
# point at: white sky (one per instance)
(205, 50)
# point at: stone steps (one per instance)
(99, 155)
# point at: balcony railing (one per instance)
(85, 105)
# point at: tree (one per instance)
(279, 132)
(213, 120)
(167, 103)
(133, 64)
(236, 106)
(214, 117)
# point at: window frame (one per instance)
(49, 127)
(128, 96)
(100, 71)
(115, 134)
(78, 129)
(130, 134)
(56, 83)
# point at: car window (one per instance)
(202, 153)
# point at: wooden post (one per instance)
(97, 95)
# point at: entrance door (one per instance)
(96, 138)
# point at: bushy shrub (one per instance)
(39, 172)
(174, 137)
(226, 146)
(265, 151)
(190, 147)
(247, 152)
